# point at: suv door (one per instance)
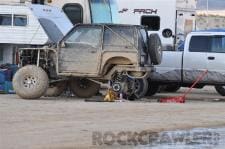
(81, 51)
(216, 59)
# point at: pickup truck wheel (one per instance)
(172, 88)
(141, 88)
(155, 48)
(84, 88)
(220, 89)
(56, 89)
(152, 89)
(30, 82)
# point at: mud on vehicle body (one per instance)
(90, 55)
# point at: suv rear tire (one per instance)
(84, 88)
(141, 86)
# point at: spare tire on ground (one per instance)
(30, 82)
(155, 49)
(84, 88)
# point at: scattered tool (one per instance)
(182, 99)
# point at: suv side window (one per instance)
(199, 44)
(85, 36)
(117, 37)
(218, 44)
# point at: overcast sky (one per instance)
(213, 4)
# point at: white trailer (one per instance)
(87, 11)
(171, 19)
(24, 26)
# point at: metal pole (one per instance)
(207, 7)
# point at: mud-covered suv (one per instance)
(88, 56)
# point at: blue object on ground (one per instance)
(2, 88)
(2, 76)
(9, 87)
(6, 88)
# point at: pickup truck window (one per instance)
(218, 44)
(208, 44)
(200, 44)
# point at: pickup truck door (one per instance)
(81, 52)
(195, 58)
(216, 60)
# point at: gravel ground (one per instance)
(70, 122)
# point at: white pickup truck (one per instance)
(202, 50)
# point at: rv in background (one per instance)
(87, 11)
(23, 26)
(171, 19)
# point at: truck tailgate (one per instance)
(170, 68)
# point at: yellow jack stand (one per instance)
(110, 96)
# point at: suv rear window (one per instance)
(118, 36)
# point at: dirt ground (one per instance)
(70, 122)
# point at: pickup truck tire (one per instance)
(84, 88)
(30, 82)
(155, 48)
(56, 89)
(152, 89)
(141, 86)
(172, 88)
(220, 89)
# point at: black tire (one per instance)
(56, 89)
(155, 48)
(30, 82)
(220, 89)
(152, 89)
(84, 88)
(141, 88)
(172, 88)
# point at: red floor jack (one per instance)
(181, 99)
